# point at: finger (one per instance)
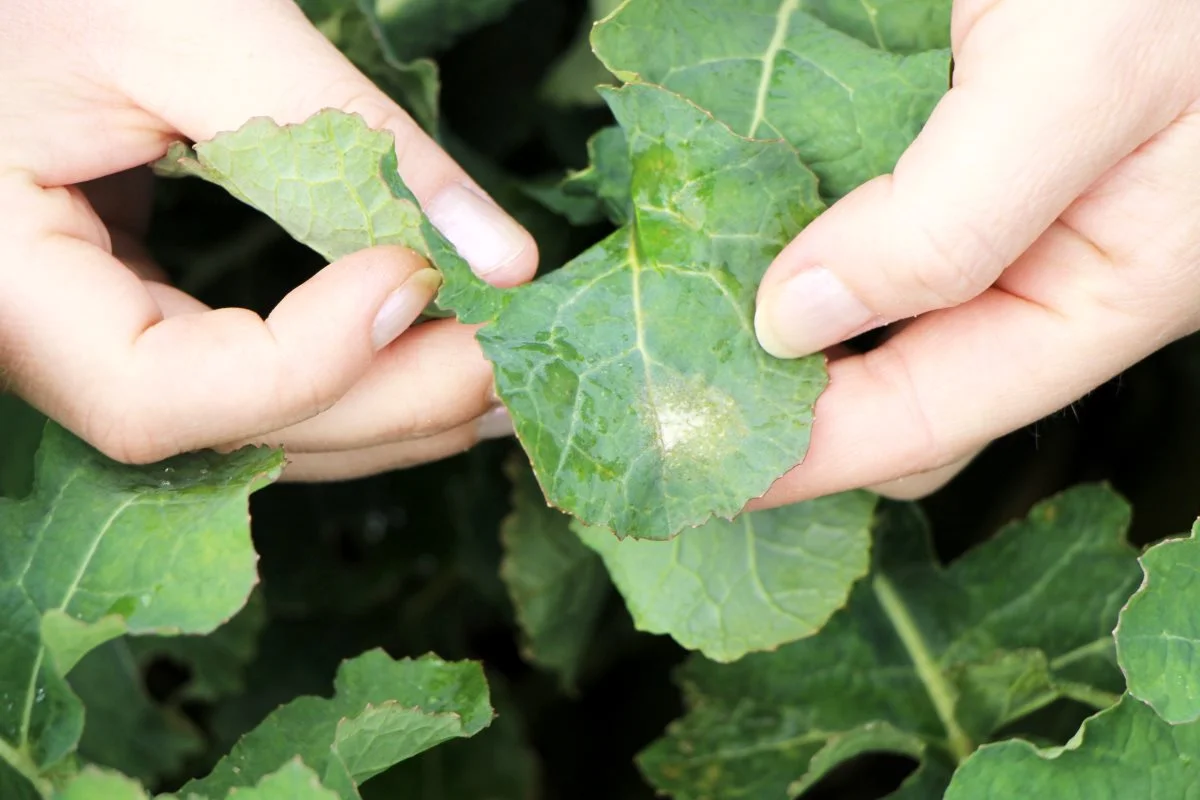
(250, 58)
(956, 379)
(350, 464)
(923, 484)
(83, 340)
(1028, 126)
(442, 358)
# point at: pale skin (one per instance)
(1041, 236)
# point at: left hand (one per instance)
(91, 335)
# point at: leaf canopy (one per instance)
(925, 661)
(98, 549)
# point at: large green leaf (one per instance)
(382, 712)
(557, 585)
(1158, 639)
(924, 660)
(769, 69)
(760, 581)
(633, 375)
(99, 548)
(1127, 751)
(332, 184)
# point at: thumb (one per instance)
(1030, 124)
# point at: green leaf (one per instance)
(124, 729)
(923, 659)
(633, 374)
(497, 764)
(760, 581)
(331, 183)
(898, 26)
(99, 548)
(1125, 751)
(768, 69)
(557, 585)
(1158, 638)
(216, 663)
(95, 784)
(382, 712)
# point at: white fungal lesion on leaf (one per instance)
(692, 420)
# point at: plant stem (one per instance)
(1088, 695)
(940, 692)
(20, 761)
(1079, 653)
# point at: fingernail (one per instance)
(481, 232)
(403, 306)
(808, 313)
(495, 424)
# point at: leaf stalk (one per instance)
(941, 693)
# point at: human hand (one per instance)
(1043, 230)
(89, 334)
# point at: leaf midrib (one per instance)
(783, 19)
(69, 594)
